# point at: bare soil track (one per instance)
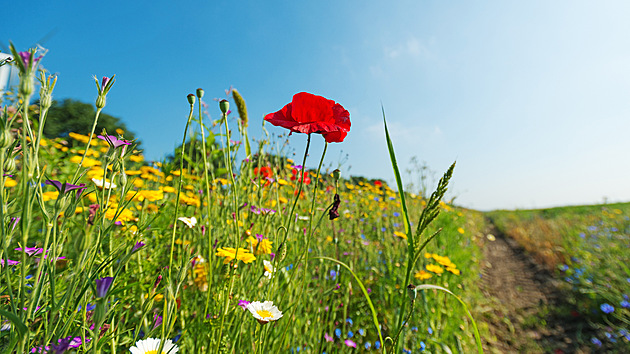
(524, 298)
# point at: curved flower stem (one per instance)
(236, 221)
(76, 172)
(290, 214)
(179, 190)
(309, 237)
(208, 209)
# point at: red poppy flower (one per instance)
(308, 113)
(297, 175)
(264, 171)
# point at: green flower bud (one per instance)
(123, 179)
(6, 139)
(336, 174)
(224, 106)
(199, 93)
(101, 101)
(191, 98)
(27, 85)
(9, 165)
(45, 101)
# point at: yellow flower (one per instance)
(435, 269)
(141, 195)
(184, 199)
(400, 234)
(260, 247)
(88, 162)
(125, 214)
(168, 189)
(82, 138)
(8, 183)
(200, 273)
(282, 182)
(460, 230)
(422, 275)
(136, 158)
(230, 253)
(46, 196)
(453, 270)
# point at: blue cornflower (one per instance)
(361, 331)
(377, 345)
(338, 332)
(607, 308)
(349, 321)
(350, 334)
(396, 214)
(596, 341)
(368, 345)
(422, 346)
(564, 267)
(625, 304)
(430, 330)
(406, 351)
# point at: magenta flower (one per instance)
(138, 246)
(243, 304)
(112, 140)
(64, 188)
(158, 321)
(26, 59)
(31, 250)
(350, 343)
(103, 285)
(10, 262)
(328, 337)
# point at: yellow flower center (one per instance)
(263, 313)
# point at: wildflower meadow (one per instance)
(229, 246)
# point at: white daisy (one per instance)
(268, 268)
(103, 184)
(264, 311)
(190, 222)
(151, 345)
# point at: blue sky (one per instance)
(531, 98)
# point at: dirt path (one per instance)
(520, 294)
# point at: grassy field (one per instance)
(230, 247)
(588, 249)
(207, 252)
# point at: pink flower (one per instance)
(350, 343)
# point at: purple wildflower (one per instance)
(15, 221)
(112, 140)
(31, 250)
(61, 346)
(103, 285)
(158, 321)
(26, 59)
(350, 343)
(138, 245)
(64, 188)
(328, 337)
(10, 262)
(243, 304)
